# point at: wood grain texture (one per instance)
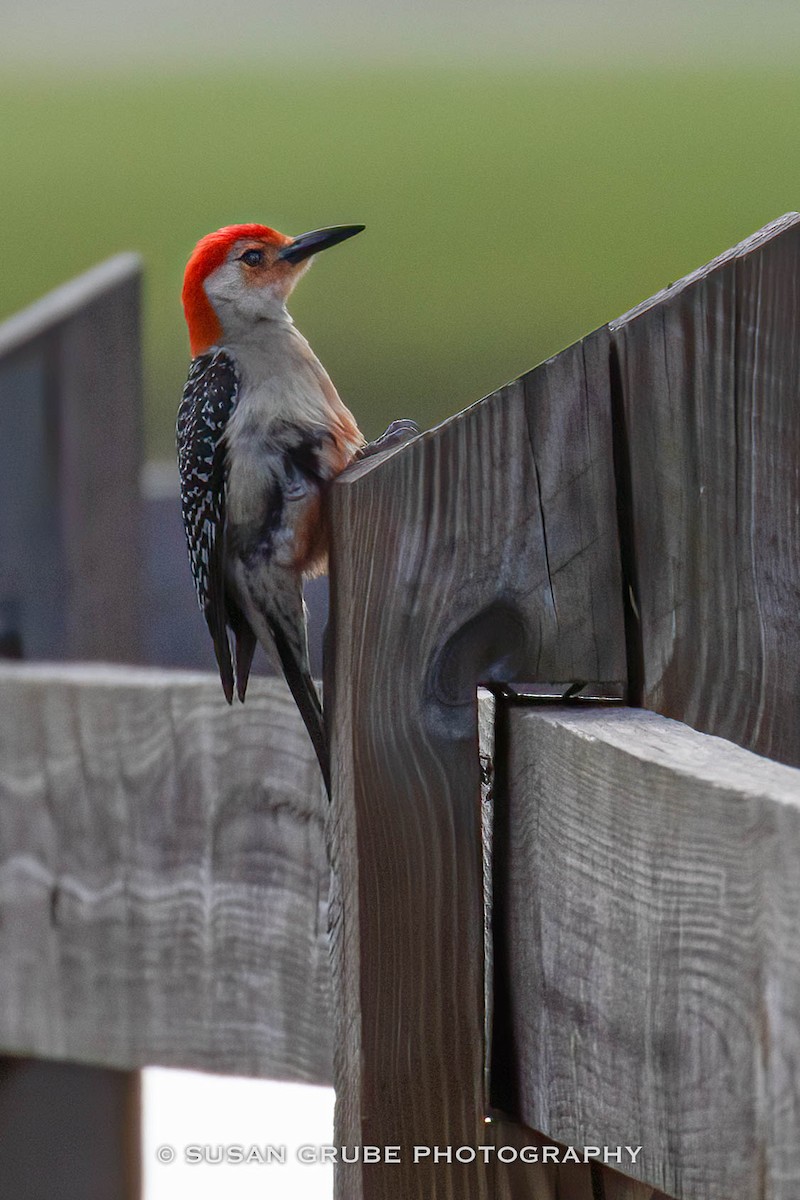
(708, 382)
(651, 901)
(485, 549)
(163, 876)
(70, 458)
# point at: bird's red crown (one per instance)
(210, 253)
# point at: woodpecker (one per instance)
(261, 433)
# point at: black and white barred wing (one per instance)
(209, 398)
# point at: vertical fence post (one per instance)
(707, 385)
(70, 459)
(465, 557)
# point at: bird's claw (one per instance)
(397, 434)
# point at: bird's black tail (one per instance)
(302, 687)
(245, 645)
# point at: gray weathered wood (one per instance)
(485, 549)
(70, 457)
(163, 878)
(652, 891)
(708, 399)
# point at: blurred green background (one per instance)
(520, 185)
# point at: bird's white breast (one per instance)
(280, 379)
(281, 383)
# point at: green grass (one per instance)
(507, 214)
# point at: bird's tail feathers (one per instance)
(245, 642)
(222, 651)
(295, 669)
(303, 689)
(281, 630)
(245, 649)
(216, 616)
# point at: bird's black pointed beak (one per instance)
(319, 239)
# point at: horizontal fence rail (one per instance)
(163, 879)
(648, 891)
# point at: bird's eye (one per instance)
(253, 258)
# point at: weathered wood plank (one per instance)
(163, 877)
(70, 458)
(708, 385)
(486, 549)
(651, 899)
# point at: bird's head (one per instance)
(243, 274)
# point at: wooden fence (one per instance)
(598, 938)
(70, 433)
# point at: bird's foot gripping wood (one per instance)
(397, 434)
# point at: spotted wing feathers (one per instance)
(209, 398)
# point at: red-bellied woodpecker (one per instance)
(261, 433)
